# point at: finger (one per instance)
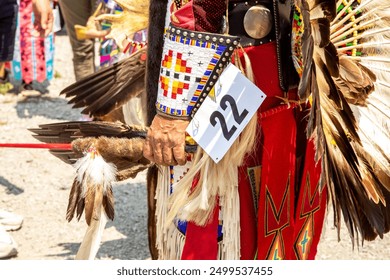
(36, 28)
(147, 150)
(168, 156)
(44, 19)
(179, 154)
(49, 28)
(157, 152)
(35, 33)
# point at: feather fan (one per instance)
(102, 153)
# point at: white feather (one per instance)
(92, 238)
(370, 33)
(93, 168)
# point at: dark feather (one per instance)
(307, 54)
(109, 88)
(356, 82)
(108, 203)
(67, 156)
(321, 32)
(358, 187)
(80, 208)
(74, 197)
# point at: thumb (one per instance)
(44, 20)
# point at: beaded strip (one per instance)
(191, 64)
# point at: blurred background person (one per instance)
(42, 26)
(8, 15)
(80, 13)
(32, 66)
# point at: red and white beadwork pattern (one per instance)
(185, 68)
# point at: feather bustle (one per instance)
(357, 183)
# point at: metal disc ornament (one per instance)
(258, 21)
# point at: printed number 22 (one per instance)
(228, 133)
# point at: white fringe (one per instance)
(230, 247)
(215, 181)
(162, 195)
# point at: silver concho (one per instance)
(258, 21)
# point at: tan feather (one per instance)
(92, 238)
(92, 193)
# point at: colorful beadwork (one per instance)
(296, 43)
(191, 63)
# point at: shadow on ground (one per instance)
(130, 225)
(10, 187)
(49, 107)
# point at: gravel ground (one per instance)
(35, 184)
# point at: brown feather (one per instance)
(74, 197)
(358, 187)
(108, 203)
(109, 88)
(356, 82)
(89, 199)
(80, 208)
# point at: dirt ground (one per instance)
(35, 184)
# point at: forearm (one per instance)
(194, 55)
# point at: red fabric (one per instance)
(199, 15)
(276, 201)
(201, 241)
(282, 220)
(310, 212)
(183, 17)
(285, 227)
(30, 47)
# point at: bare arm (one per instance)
(43, 15)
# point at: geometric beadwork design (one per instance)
(191, 64)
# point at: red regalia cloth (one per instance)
(282, 205)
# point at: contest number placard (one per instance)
(218, 123)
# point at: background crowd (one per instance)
(27, 49)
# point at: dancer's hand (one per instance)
(165, 141)
(43, 18)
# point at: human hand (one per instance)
(43, 18)
(165, 141)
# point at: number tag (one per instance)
(217, 124)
